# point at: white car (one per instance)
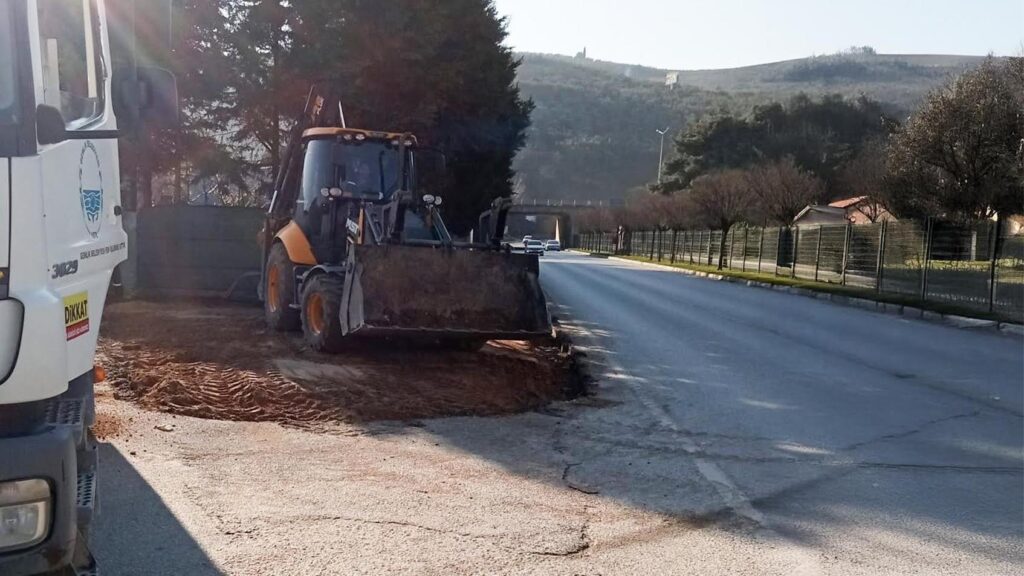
(553, 246)
(534, 247)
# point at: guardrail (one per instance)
(966, 265)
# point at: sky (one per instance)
(698, 34)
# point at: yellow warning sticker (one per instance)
(76, 314)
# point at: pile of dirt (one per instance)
(219, 361)
(108, 426)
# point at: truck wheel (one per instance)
(470, 345)
(279, 291)
(321, 306)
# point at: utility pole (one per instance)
(661, 155)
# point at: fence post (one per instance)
(994, 227)
(846, 253)
(711, 236)
(760, 249)
(928, 231)
(675, 237)
(817, 255)
(732, 247)
(746, 239)
(880, 263)
(778, 251)
(796, 251)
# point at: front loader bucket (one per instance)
(443, 292)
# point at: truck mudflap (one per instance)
(443, 292)
(61, 451)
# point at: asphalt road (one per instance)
(731, 430)
(866, 442)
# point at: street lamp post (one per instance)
(661, 154)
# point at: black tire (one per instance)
(281, 317)
(469, 345)
(321, 306)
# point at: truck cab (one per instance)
(61, 237)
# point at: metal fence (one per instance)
(958, 264)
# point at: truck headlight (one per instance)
(24, 514)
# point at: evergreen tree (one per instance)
(440, 71)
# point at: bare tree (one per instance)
(864, 176)
(782, 189)
(722, 199)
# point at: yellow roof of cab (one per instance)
(369, 134)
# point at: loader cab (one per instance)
(369, 179)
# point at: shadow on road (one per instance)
(135, 532)
(840, 455)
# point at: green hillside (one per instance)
(593, 134)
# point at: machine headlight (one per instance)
(360, 137)
(428, 198)
(24, 514)
(438, 200)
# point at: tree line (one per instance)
(960, 157)
(439, 70)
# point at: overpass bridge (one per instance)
(547, 218)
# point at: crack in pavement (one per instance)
(944, 467)
(908, 433)
(575, 486)
(583, 544)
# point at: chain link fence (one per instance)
(970, 265)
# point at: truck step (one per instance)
(70, 414)
(88, 459)
(86, 498)
(83, 564)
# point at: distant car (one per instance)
(527, 239)
(534, 247)
(553, 246)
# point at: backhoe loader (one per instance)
(355, 246)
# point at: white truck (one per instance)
(63, 104)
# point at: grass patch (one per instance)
(849, 291)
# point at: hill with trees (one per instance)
(593, 134)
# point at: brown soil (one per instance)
(219, 361)
(108, 426)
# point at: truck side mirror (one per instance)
(145, 96)
(160, 102)
(50, 127)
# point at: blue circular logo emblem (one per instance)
(90, 189)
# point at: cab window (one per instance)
(72, 60)
(8, 68)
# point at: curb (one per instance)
(952, 320)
